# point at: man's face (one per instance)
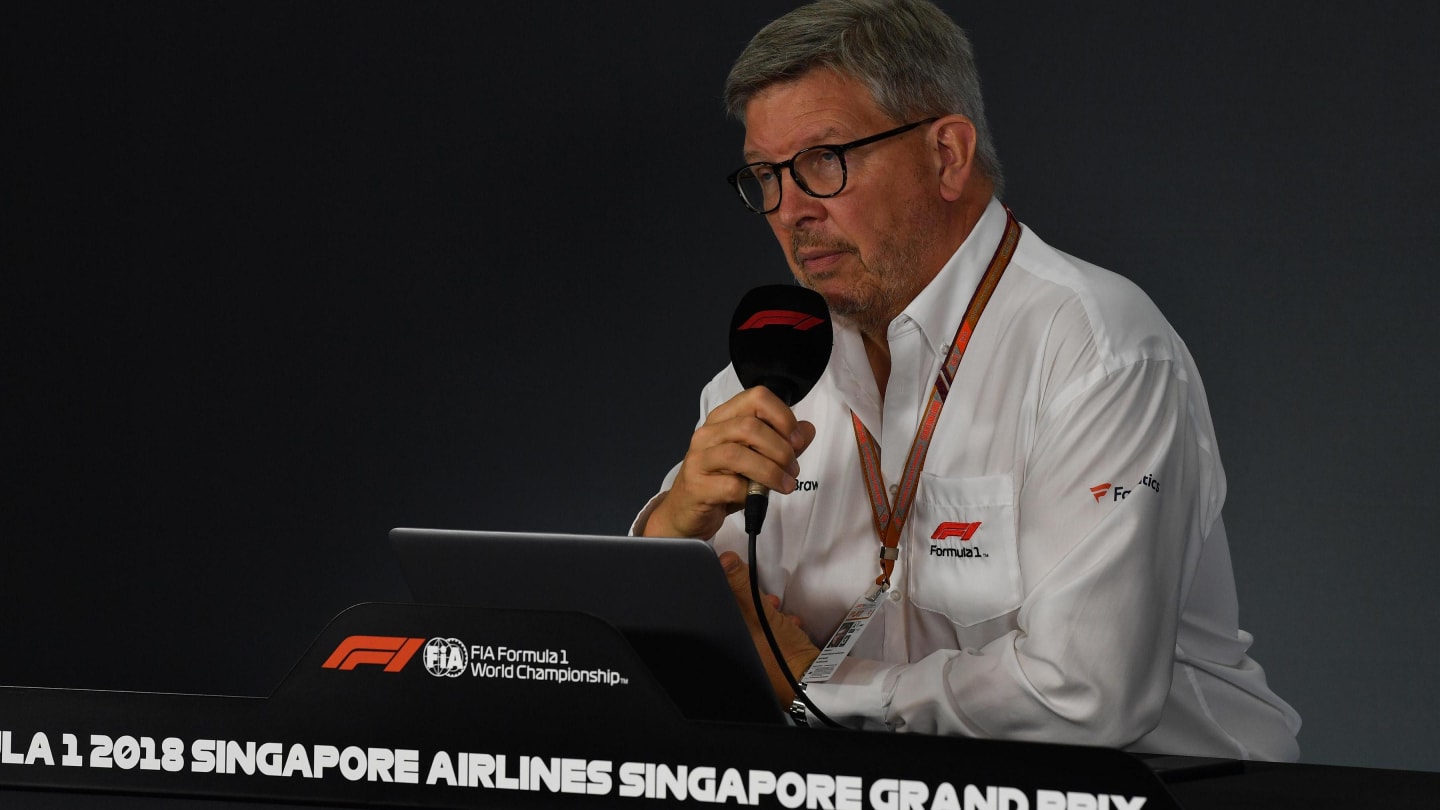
(870, 249)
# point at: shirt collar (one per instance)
(940, 307)
(934, 311)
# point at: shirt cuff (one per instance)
(637, 527)
(858, 695)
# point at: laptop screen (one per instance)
(668, 597)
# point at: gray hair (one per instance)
(916, 61)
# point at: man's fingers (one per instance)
(751, 463)
(762, 406)
(806, 431)
(758, 402)
(795, 647)
(738, 575)
(751, 437)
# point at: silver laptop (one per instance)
(668, 597)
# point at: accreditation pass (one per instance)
(843, 639)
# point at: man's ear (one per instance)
(954, 139)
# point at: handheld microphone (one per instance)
(780, 338)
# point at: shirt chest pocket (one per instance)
(962, 556)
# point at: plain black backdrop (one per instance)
(278, 277)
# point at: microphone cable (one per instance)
(775, 645)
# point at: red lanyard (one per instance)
(890, 520)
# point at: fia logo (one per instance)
(446, 657)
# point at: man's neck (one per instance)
(875, 334)
(877, 350)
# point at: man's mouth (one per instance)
(818, 261)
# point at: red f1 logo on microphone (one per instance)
(964, 531)
(391, 652)
(799, 321)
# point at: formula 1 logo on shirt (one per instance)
(949, 529)
(956, 530)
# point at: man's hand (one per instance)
(797, 648)
(752, 437)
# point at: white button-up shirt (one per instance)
(1094, 603)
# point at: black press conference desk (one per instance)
(429, 706)
(1255, 785)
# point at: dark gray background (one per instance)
(279, 277)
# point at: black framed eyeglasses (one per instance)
(818, 170)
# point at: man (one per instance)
(1062, 573)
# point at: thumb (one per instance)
(737, 573)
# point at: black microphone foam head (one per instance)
(780, 338)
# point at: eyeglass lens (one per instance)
(819, 171)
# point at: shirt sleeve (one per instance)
(720, 388)
(1119, 488)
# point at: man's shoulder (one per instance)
(1095, 286)
(1081, 297)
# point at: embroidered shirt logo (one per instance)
(949, 529)
(956, 530)
(1120, 493)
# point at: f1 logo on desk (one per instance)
(391, 652)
